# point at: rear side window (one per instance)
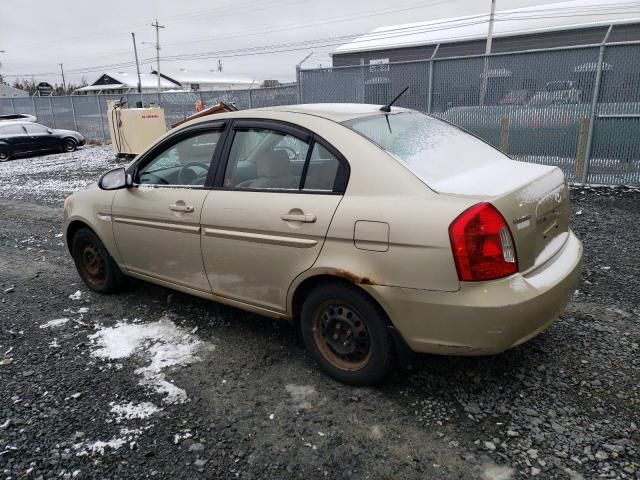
(323, 171)
(265, 159)
(12, 130)
(432, 149)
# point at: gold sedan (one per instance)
(375, 231)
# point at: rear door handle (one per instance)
(181, 208)
(299, 217)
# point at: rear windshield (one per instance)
(431, 148)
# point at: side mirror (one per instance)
(115, 179)
(49, 130)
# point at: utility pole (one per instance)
(64, 84)
(135, 52)
(485, 72)
(157, 26)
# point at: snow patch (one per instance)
(129, 411)
(58, 322)
(162, 344)
(76, 296)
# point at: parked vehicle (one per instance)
(18, 116)
(515, 97)
(20, 138)
(374, 231)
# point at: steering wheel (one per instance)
(186, 176)
(291, 153)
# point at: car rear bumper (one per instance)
(485, 317)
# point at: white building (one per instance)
(10, 92)
(193, 80)
(120, 82)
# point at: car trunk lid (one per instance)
(533, 199)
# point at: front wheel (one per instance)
(96, 267)
(346, 333)
(69, 145)
(4, 154)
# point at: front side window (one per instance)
(34, 128)
(432, 149)
(185, 163)
(265, 159)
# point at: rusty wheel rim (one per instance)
(92, 263)
(342, 336)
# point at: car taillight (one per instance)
(482, 244)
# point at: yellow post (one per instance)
(504, 134)
(582, 146)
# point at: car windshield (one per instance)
(431, 149)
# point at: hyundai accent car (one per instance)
(373, 230)
(20, 138)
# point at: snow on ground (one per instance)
(57, 322)
(129, 410)
(50, 178)
(162, 344)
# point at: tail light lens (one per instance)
(482, 244)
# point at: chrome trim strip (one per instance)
(296, 242)
(177, 227)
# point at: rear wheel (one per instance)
(69, 145)
(96, 267)
(346, 333)
(4, 154)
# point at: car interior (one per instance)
(259, 159)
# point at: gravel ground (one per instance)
(154, 383)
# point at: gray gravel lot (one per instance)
(193, 389)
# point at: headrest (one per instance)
(274, 163)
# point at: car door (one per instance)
(156, 222)
(41, 138)
(16, 137)
(261, 228)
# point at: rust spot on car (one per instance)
(352, 277)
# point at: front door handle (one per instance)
(299, 217)
(176, 207)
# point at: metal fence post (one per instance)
(430, 84)
(594, 107)
(104, 136)
(73, 112)
(298, 81)
(13, 105)
(53, 116)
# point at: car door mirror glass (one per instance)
(114, 179)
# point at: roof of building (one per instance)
(183, 76)
(128, 80)
(8, 91)
(572, 14)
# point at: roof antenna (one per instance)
(387, 108)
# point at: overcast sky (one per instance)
(37, 35)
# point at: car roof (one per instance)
(337, 112)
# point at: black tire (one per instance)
(96, 267)
(69, 145)
(4, 154)
(328, 314)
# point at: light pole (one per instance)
(157, 26)
(135, 52)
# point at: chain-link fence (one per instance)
(87, 114)
(576, 108)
